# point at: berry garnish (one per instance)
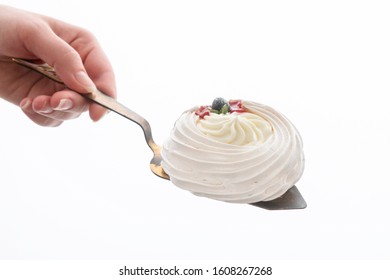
(203, 111)
(220, 106)
(219, 103)
(236, 106)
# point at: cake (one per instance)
(235, 151)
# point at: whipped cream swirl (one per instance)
(238, 157)
(237, 128)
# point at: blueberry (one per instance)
(218, 103)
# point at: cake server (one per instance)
(292, 199)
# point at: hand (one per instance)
(75, 55)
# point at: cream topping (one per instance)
(237, 128)
(238, 157)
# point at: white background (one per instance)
(84, 190)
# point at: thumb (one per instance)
(65, 60)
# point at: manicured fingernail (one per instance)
(25, 104)
(65, 104)
(46, 110)
(85, 81)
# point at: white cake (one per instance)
(244, 152)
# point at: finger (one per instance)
(95, 62)
(104, 80)
(96, 112)
(42, 106)
(92, 54)
(99, 69)
(63, 105)
(46, 45)
(69, 101)
(26, 106)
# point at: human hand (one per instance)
(75, 54)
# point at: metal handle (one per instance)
(98, 97)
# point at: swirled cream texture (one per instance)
(237, 128)
(239, 157)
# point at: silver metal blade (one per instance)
(292, 199)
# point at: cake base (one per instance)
(292, 199)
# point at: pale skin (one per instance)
(75, 55)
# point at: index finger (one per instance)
(95, 60)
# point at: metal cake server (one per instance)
(292, 199)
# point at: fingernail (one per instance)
(85, 81)
(65, 104)
(25, 104)
(46, 110)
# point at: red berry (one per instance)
(203, 111)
